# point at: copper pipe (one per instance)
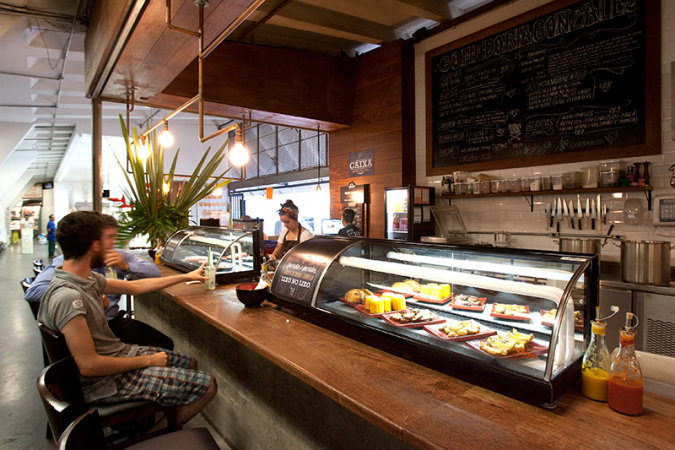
(230, 28)
(170, 116)
(174, 27)
(262, 21)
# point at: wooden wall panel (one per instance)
(376, 125)
(278, 80)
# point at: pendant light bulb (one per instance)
(143, 152)
(238, 155)
(165, 137)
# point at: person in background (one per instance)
(110, 370)
(292, 234)
(349, 229)
(51, 236)
(122, 264)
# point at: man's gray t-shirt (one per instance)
(68, 296)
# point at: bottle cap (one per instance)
(598, 327)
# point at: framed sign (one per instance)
(569, 81)
(361, 163)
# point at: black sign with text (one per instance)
(569, 81)
(354, 194)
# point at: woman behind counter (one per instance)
(293, 233)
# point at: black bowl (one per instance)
(250, 296)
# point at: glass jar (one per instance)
(496, 186)
(626, 384)
(595, 364)
(485, 187)
(557, 182)
(535, 183)
(546, 183)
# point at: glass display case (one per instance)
(237, 254)
(515, 321)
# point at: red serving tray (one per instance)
(511, 317)
(436, 301)
(387, 319)
(470, 308)
(532, 350)
(437, 332)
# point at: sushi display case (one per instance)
(513, 321)
(236, 253)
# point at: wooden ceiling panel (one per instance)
(154, 55)
(301, 40)
(306, 17)
(385, 12)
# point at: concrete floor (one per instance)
(22, 419)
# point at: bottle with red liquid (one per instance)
(626, 385)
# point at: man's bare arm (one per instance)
(145, 285)
(81, 346)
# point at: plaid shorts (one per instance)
(175, 384)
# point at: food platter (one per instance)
(437, 331)
(548, 320)
(532, 350)
(515, 316)
(468, 307)
(387, 318)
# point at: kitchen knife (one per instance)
(580, 214)
(546, 213)
(572, 213)
(552, 213)
(566, 213)
(593, 214)
(605, 211)
(598, 212)
(587, 212)
(558, 215)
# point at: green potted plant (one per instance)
(152, 212)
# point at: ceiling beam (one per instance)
(428, 9)
(320, 20)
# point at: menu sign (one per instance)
(569, 84)
(353, 194)
(297, 276)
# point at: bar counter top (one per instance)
(415, 404)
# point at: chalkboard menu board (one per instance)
(571, 81)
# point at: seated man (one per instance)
(110, 370)
(348, 222)
(122, 263)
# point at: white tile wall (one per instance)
(513, 213)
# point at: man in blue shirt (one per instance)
(122, 264)
(51, 236)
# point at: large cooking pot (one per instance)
(580, 245)
(645, 262)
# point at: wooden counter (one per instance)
(414, 404)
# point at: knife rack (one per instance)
(529, 195)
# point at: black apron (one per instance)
(287, 244)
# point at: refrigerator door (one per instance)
(397, 202)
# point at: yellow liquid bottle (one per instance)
(595, 364)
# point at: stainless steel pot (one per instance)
(645, 262)
(580, 245)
